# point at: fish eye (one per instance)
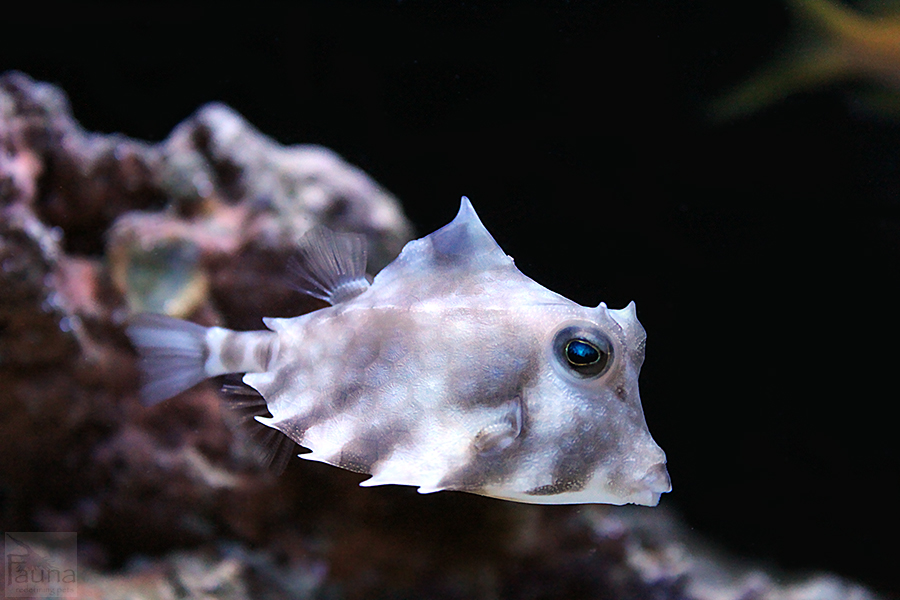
(587, 354)
(582, 353)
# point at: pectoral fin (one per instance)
(499, 435)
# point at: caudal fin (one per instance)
(172, 354)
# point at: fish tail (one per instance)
(175, 355)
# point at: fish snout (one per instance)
(655, 483)
(657, 479)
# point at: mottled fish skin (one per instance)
(454, 371)
(452, 346)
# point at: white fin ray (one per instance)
(331, 266)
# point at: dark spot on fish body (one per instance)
(364, 452)
(319, 406)
(505, 374)
(320, 409)
(620, 480)
(262, 351)
(362, 351)
(245, 351)
(283, 382)
(560, 486)
(357, 463)
(502, 372)
(231, 352)
(205, 351)
(378, 374)
(394, 349)
(346, 398)
(340, 206)
(486, 468)
(378, 335)
(578, 455)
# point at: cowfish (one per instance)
(449, 370)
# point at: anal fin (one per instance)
(271, 447)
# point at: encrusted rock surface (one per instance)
(168, 501)
(95, 226)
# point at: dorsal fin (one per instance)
(465, 240)
(330, 266)
(464, 243)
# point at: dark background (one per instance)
(762, 254)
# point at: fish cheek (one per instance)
(578, 447)
(579, 451)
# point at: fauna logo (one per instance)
(40, 565)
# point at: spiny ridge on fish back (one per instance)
(451, 370)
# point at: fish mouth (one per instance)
(654, 484)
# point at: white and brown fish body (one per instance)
(451, 371)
